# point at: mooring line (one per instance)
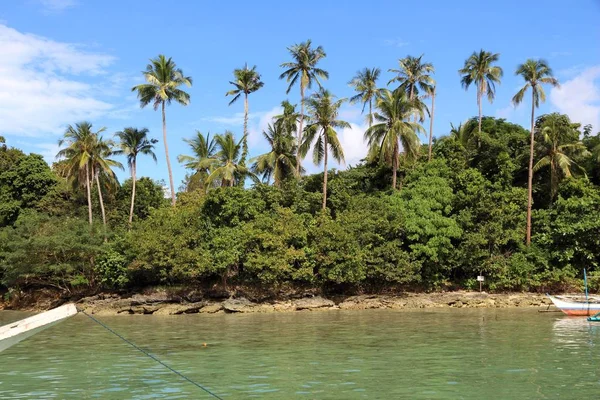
(152, 357)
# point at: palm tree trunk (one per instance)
(530, 177)
(431, 121)
(411, 98)
(164, 124)
(100, 198)
(325, 172)
(298, 156)
(394, 165)
(553, 181)
(133, 173)
(89, 193)
(245, 142)
(479, 106)
(370, 113)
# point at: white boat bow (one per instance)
(12, 333)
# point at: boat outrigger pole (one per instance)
(595, 317)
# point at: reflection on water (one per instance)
(450, 354)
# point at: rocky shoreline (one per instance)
(161, 303)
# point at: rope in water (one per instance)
(152, 357)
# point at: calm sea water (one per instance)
(449, 354)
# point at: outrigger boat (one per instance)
(13, 333)
(588, 306)
(574, 306)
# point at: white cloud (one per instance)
(510, 111)
(352, 113)
(57, 5)
(41, 88)
(257, 123)
(255, 130)
(48, 151)
(570, 72)
(397, 42)
(234, 120)
(579, 97)
(355, 148)
(505, 112)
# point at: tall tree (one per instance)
(225, 164)
(163, 81)
(304, 69)
(133, 142)
(365, 84)
(479, 69)
(558, 145)
(414, 76)
(79, 141)
(280, 162)
(288, 120)
(204, 148)
(535, 73)
(245, 81)
(394, 128)
(323, 109)
(102, 166)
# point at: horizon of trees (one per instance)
(414, 77)
(434, 232)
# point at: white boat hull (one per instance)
(576, 308)
(14, 332)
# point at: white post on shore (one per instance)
(480, 279)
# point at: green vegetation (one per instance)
(460, 211)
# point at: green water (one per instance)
(450, 354)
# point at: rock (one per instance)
(364, 302)
(313, 303)
(264, 308)
(211, 308)
(176, 309)
(158, 297)
(145, 309)
(283, 306)
(240, 305)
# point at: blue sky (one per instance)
(69, 60)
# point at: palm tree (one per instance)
(479, 70)
(394, 129)
(414, 76)
(280, 162)
(365, 84)
(558, 147)
(79, 141)
(303, 68)
(163, 81)
(132, 142)
(225, 164)
(464, 132)
(535, 73)
(323, 110)
(102, 165)
(246, 81)
(288, 120)
(203, 148)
